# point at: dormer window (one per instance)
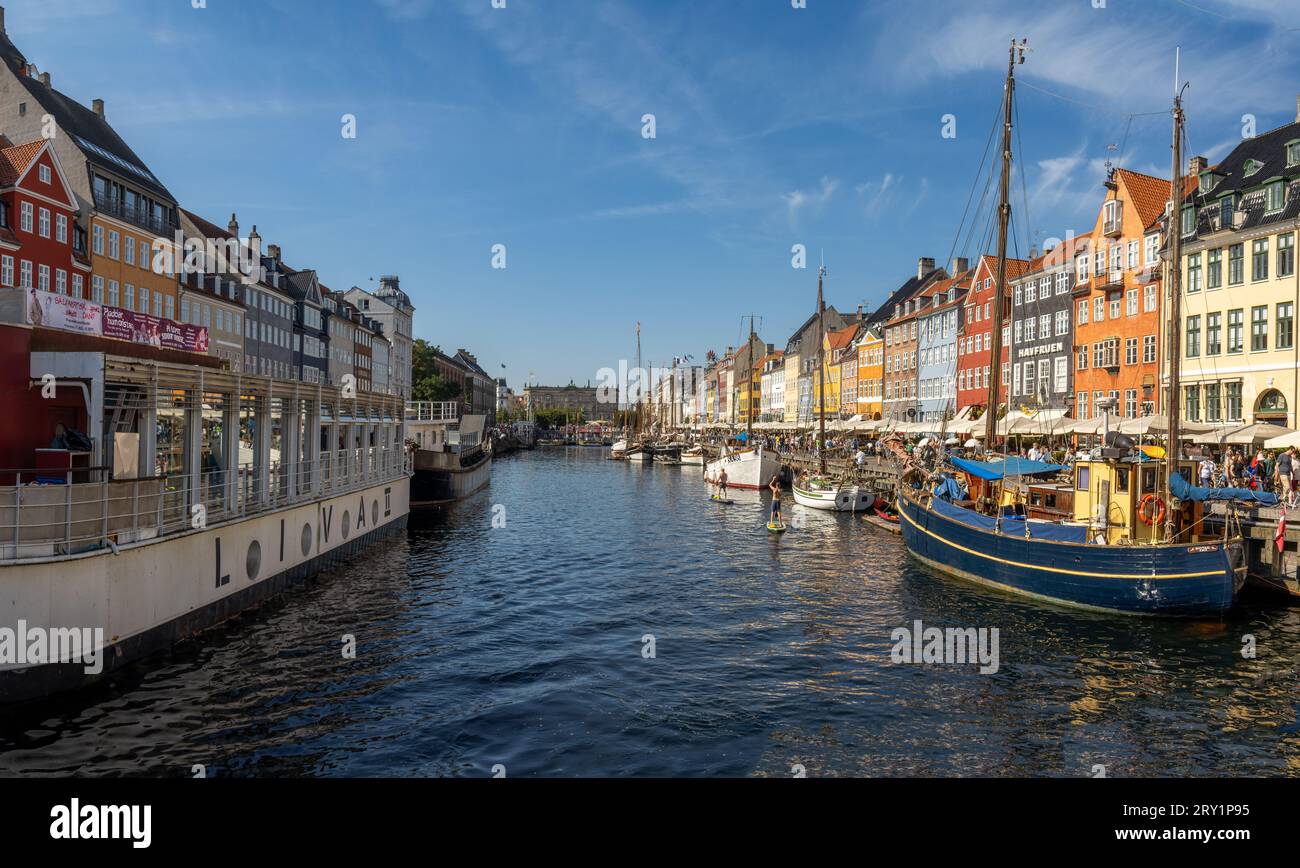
(1189, 220)
(1206, 182)
(1252, 167)
(1275, 196)
(1227, 205)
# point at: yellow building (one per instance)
(871, 373)
(1240, 286)
(791, 362)
(834, 345)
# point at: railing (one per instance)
(138, 216)
(432, 411)
(54, 520)
(1108, 279)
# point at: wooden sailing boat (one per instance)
(747, 467)
(1117, 553)
(822, 491)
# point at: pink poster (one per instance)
(52, 310)
(141, 328)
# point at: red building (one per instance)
(38, 241)
(975, 342)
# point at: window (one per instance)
(112, 293)
(26, 220)
(1259, 259)
(6, 270)
(61, 282)
(1292, 153)
(61, 229)
(45, 174)
(98, 241)
(1062, 282)
(1232, 395)
(1017, 301)
(1099, 309)
(1132, 296)
(1235, 325)
(1148, 349)
(1214, 269)
(1236, 255)
(1213, 410)
(1019, 330)
(1252, 167)
(1213, 334)
(1130, 351)
(128, 296)
(44, 227)
(1060, 375)
(1193, 273)
(1189, 220)
(1082, 354)
(44, 279)
(1081, 267)
(1045, 325)
(130, 251)
(1274, 196)
(25, 273)
(1083, 312)
(1285, 255)
(1259, 329)
(1031, 329)
(1131, 403)
(1193, 342)
(1062, 322)
(97, 290)
(1149, 298)
(78, 286)
(1192, 403)
(1114, 307)
(1152, 249)
(1285, 325)
(114, 243)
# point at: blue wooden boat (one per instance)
(1197, 580)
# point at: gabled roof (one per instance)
(91, 133)
(16, 160)
(833, 320)
(902, 294)
(208, 229)
(841, 338)
(1147, 193)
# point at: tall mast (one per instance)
(1004, 220)
(749, 386)
(1173, 350)
(641, 378)
(821, 369)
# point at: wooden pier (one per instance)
(1268, 566)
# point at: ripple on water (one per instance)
(523, 646)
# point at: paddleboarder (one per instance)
(722, 483)
(775, 487)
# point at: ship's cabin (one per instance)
(1125, 499)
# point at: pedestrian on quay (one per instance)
(1295, 472)
(1207, 471)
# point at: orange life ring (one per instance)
(1151, 517)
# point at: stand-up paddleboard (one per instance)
(776, 528)
(724, 502)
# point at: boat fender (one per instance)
(1151, 510)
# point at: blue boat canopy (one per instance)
(1184, 490)
(1012, 466)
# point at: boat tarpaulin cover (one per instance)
(1184, 490)
(1041, 530)
(949, 489)
(1012, 466)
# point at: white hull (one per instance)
(748, 469)
(149, 595)
(694, 459)
(847, 498)
(641, 456)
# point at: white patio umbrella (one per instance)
(1282, 441)
(1256, 433)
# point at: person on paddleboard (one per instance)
(775, 486)
(722, 483)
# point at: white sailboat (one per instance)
(746, 468)
(693, 457)
(822, 493)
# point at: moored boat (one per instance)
(451, 461)
(746, 468)
(827, 494)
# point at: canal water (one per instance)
(593, 617)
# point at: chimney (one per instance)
(771, 348)
(1297, 99)
(98, 106)
(924, 265)
(960, 265)
(2, 19)
(233, 226)
(1197, 165)
(273, 251)
(45, 79)
(1033, 252)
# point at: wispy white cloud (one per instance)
(797, 201)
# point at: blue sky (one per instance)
(522, 126)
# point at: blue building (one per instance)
(938, 323)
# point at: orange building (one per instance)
(1116, 299)
(871, 372)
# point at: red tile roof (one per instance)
(16, 160)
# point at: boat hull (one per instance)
(848, 498)
(440, 478)
(1194, 581)
(148, 596)
(752, 469)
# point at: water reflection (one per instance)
(523, 645)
